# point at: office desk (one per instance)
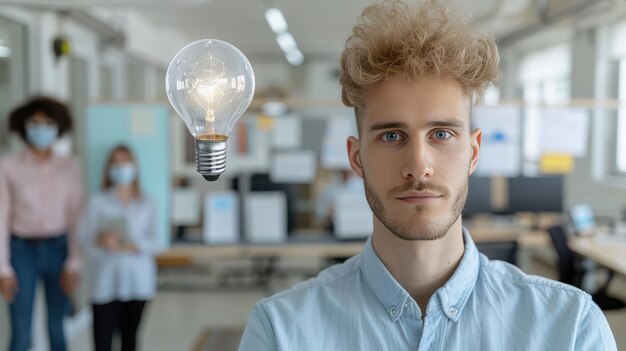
(264, 257)
(288, 249)
(525, 237)
(326, 246)
(609, 253)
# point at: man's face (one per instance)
(415, 154)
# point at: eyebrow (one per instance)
(453, 123)
(389, 125)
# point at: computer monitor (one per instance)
(262, 182)
(536, 194)
(582, 217)
(478, 196)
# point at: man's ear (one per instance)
(354, 155)
(475, 140)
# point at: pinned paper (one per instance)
(221, 218)
(266, 217)
(500, 149)
(287, 132)
(141, 122)
(185, 206)
(340, 127)
(352, 215)
(564, 131)
(293, 167)
(334, 152)
(556, 164)
(265, 122)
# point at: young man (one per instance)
(412, 75)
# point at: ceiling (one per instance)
(319, 27)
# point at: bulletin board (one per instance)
(145, 129)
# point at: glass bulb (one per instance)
(210, 84)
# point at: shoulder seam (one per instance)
(267, 325)
(541, 282)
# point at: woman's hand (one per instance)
(69, 282)
(109, 240)
(9, 287)
(129, 247)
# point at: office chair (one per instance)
(571, 272)
(500, 250)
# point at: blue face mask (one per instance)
(41, 136)
(123, 174)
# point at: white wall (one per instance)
(142, 42)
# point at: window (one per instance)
(544, 78)
(618, 53)
(13, 74)
(621, 119)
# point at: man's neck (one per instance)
(420, 267)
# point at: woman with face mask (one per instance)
(119, 232)
(40, 204)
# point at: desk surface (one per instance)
(333, 248)
(608, 253)
(299, 249)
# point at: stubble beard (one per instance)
(419, 229)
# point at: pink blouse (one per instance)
(39, 199)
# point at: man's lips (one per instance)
(415, 197)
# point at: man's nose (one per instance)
(418, 162)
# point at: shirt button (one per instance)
(394, 311)
(453, 311)
(406, 305)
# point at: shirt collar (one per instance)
(397, 301)
(383, 284)
(30, 156)
(456, 291)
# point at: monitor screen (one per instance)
(582, 218)
(536, 194)
(478, 196)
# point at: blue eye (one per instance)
(442, 135)
(391, 137)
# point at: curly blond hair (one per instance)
(393, 38)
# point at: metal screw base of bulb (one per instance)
(210, 158)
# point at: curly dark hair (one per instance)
(50, 107)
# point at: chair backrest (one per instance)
(567, 258)
(500, 250)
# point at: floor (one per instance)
(177, 321)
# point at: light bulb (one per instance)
(210, 84)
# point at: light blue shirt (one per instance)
(485, 305)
